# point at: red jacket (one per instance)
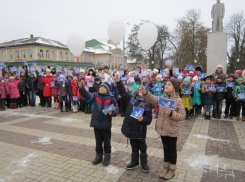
(46, 87)
(73, 88)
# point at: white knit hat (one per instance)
(155, 71)
(82, 71)
(195, 78)
(220, 66)
(159, 76)
(48, 70)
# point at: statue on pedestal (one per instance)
(218, 13)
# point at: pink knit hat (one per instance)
(11, 77)
(75, 78)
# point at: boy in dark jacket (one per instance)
(135, 129)
(219, 97)
(31, 85)
(229, 99)
(101, 122)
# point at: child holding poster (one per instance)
(229, 99)
(239, 95)
(167, 124)
(186, 94)
(138, 112)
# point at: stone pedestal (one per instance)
(216, 51)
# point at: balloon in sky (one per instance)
(76, 44)
(147, 35)
(116, 31)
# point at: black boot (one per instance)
(143, 162)
(209, 117)
(206, 115)
(61, 107)
(86, 108)
(97, 159)
(107, 159)
(66, 105)
(187, 114)
(134, 162)
(89, 109)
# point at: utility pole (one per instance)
(123, 51)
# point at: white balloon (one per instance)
(116, 31)
(76, 44)
(147, 35)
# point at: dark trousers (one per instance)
(20, 100)
(169, 148)
(8, 101)
(12, 101)
(2, 104)
(217, 107)
(47, 101)
(40, 94)
(138, 144)
(81, 104)
(102, 135)
(123, 106)
(238, 107)
(230, 106)
(195, 109)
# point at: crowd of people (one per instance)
(194, 93)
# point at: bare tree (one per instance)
(235, 27)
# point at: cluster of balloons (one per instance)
(147, 36)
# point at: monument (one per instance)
(217, 40)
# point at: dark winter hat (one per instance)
(198, 68)
(175, 83)
(106, 67)
(90, 70)
(137, 79)
(232, 76)
(220, 77)
(97, 79)
(208, 77)
(138, 66)
(106, 85)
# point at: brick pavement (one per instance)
(39, 144)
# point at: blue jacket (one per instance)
(131, 127)
(98, 103)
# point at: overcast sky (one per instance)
(57, 19)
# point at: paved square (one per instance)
(39, 144)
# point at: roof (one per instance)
(95, 42)
(100, 49)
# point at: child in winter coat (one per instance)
(31, 85)
(62, 85)
(3, 95)
(137, 131)
(229, 99)
(13, 91)
(186, 98)
(196, 97)
(123, 104)
(167, 124)
(74, 88)
(55, 93)
(208, 96)
(218, 97)
(239, 89)
(46, 88)
(158, 87)
(102, 122)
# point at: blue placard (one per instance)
(25, 63)
(10, 68)
(157, 89)
(61, 79)
(166, 103)
(51, 84)
(220, 89)
(108, 108)
(17, 74)
(163, 72)
(74, 98)
(230, 84)
(241, 96)
(202, 75)
(180, 75)
(65, 72)
(1, 64)
(186, 91)
(34, 64)
(137, 111)
(15, 69)
(40, 73)
(42, 67)
(189, 67)
(77, 69)
(169, 62)
(210, 87)
(197, 85)
(33, 72)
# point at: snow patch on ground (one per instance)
(113, 150)
(43, 141)
(23, 162)
(5, 178)
(188, 145)
(207, 137)
(17, 171)
(112, 169)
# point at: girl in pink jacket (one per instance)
(3, 90)
(13, 91)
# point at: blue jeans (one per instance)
(63, 98)
(32, 95)
(217, 107)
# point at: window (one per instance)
(41, 53)
(23, 54)
(72, 57)
(17, 56)
(3, 55)
(67, 57)
(29, 53)
(53, 55)
(61, 55)
(10, 54)
(47, 54)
